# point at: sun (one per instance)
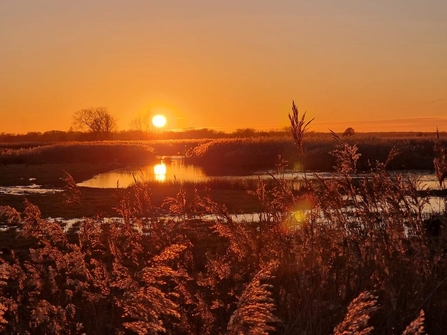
(159, 121)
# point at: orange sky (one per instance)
(371, 65)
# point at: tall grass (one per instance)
(93, 152)
(348, 256)
(233, 155)
(76, 152)
(251, 154)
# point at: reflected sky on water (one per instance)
(174, 169)
(166, 170)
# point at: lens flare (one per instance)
(299, 215)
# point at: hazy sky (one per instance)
(225, 64)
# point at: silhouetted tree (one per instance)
(140, 123)
(247, 132)
(95, 120)
(349, 132)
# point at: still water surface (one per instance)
(171, 169)
(174, 169)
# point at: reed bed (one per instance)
(79, 152)
(416, 153)
(233, 155)
(93, 152)
(345, 257)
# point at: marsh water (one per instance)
(174, 169)
(169, 169)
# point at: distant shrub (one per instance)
(349, 132)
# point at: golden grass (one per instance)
(346, 257)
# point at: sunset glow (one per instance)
(225, 65)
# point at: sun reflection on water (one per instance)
(160, 172)
(171, 169)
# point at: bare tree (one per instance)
(96, 120)
(141, 123)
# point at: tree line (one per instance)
(123, 135)
(97, 123)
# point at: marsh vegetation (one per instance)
(343, 255)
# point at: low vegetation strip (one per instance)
(259, 153)
(214, 155)
(79, 152)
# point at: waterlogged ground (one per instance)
(175, 170)
(49, 175)
(103, 202)
(43, 185)
(72, 224)
(26, 190)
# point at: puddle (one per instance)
(30, 189)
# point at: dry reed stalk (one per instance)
(346, 156)
(358, 314)
(440, 161)
(298, 127)
(416, 327)
(73, 194)
(254, 313)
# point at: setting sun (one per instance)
(159, 121)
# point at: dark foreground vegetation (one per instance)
(346, 256)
